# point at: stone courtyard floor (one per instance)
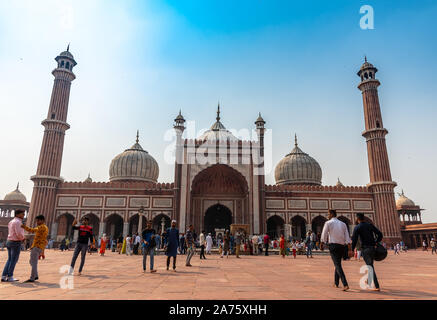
(411, 275)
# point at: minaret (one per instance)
(260, 130)
(179, 126)
(47, 176)
(381, 184)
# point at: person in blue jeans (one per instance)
(15, 240)
(149, 244)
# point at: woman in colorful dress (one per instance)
(103, 242)
(282, 245)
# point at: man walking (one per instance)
(171, 244)
(226, 241)
(189, 241)
(309, 244)
(202, 244)
(208, 243)
(149, 244)
(182, 244)
(335, 234)
(237, 240)
(13, 244)
(369, 236)
(255, 244)
(39, 243)
(137, 240)
(266, 244)
(433, 246)
(85, 236)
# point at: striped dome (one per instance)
(134, 164)
(298, 168)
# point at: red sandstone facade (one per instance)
(202, 190)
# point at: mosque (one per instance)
(218, 182)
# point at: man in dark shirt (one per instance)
(266, 244)
(369, 236)
(85, 236)
(149, 244)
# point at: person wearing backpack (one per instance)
(369, 237)
(149, 244)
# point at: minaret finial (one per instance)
(218, 112)
(138, 136)
(18, 185)
(295, 140)
(68, 47)
(365, 58)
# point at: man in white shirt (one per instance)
(335, 234)
(255, 244)
(202, 245)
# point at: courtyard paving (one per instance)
(411, 275)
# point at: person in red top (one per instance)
(85, 237)
(282, 245)
(266, 243)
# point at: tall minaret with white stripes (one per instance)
(381, 184)
(48, 173)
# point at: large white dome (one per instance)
(134, 164)
(298, 168)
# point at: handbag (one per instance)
(380, 252)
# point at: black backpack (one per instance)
(380, 252)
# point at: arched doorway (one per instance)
(222, 184)
(317, 224)
(134, 224)
(157, 223)
(114, 226)
(275, 227)
(65, 224)
(93, 222)
(298, 227)
(217, 217)
(346, 221)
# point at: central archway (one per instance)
(217, 217)
(218, 184)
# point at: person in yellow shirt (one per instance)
(39, 243)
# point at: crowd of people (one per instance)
(335, 237)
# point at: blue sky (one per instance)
(139, 62)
